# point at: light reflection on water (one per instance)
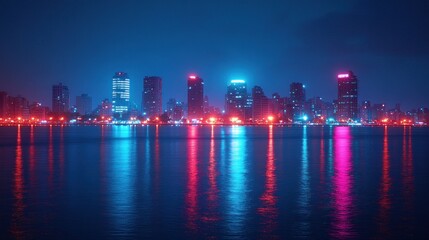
(342, 226)
(213, 182)
(121, 182)
(305, 190)
(237, 186)
(269, 210)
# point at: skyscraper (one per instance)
(195, 97)
(84, 104)
(120, 93)
(297, 99)
(260, 105)
(152, 96)
(3, 104)
(236, 99)
(365, 112)
(60, 98)
(347, 97)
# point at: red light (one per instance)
(345, 75)
(192, 77)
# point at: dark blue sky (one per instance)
(267, 43)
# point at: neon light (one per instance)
(345, 75)
(237, 81)
(192, 77)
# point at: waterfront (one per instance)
(222, 181)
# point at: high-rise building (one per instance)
(105, 108)
(18, 107)
(84, 104)
(3, 104)
(195, 97)
(347, 97)
(120, 93)
(379, 112)
(152, 96)
(37, 111)
(317, 108)
(60, 98)
(236, 99)
(297, 99)
(366, 112)
(260, 105)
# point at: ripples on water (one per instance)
(213, 182)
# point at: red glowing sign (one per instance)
(345, 75)
(192, 77)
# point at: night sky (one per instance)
(267, 43)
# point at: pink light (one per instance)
(342, 184)
(192, 77)
(344, 75)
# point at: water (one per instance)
(214, 182)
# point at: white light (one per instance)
(237, 81)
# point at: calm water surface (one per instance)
(214, 182)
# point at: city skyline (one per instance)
(240, 105)
(138, 99)
(284, 43)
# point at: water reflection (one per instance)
(51, 157)
(212, 215)
(330, 153)
(32, 156)
(192, 185)
(408, 178)
(322, 157)
(18, 230)
(157, 160)
(122, 182)
(342, 226)
(61, 157)
(384, 201)
(304, 190)
(237, 185)
(269, 211)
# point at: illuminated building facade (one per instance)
(236, 99)
(60, 98)
(152, 96)
(120, 93)
(347, 97)
(195, 97)
(366, 112)
(297, 99)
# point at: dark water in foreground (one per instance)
(221, 182)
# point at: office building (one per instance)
(297, 99)
(236, 99)
(84, 104)
(3, 104)
(195, 97)
(120, 93)
(347, 97)
(260, 105)
(60, 99)
(152, 97)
